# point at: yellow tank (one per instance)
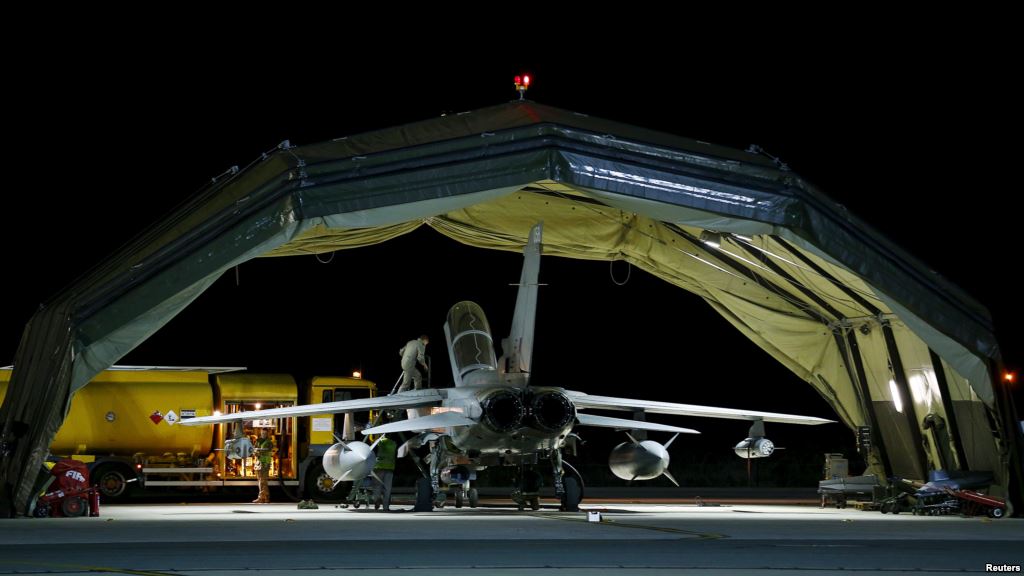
(125, 411)
(243, 387)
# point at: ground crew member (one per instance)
(264, 457)
(413, 353)
(385, 470)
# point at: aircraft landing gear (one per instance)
(567, 488)
(428, 490)
(463, 493)
(556, 468)
(424, 495)
(572, 496)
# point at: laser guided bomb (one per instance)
(641, 460)
(346, 461)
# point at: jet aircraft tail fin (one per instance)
(517, 349)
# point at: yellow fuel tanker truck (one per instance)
(123, 424)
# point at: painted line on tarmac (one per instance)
(82, 568)
(608, 522)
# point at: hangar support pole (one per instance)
(862, 380)
(900, 377)
(1009, 420)
(947, 405)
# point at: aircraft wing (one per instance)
(408, 399)
(439, 420)
(584, 401)
(627, 424)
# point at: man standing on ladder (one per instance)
(413, 354)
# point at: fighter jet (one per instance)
(494, 417)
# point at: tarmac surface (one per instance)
(631, 538)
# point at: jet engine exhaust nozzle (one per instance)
(503, 411)
(551, 411)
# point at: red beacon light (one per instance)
(522, 84)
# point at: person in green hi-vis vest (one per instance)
(385, 470)
(264, 457)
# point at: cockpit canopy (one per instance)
(470, 343)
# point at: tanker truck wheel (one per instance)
(112, 480)
(320, 486)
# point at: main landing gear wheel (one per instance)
(572, 496)
(423, 495)
(458, 498)
(474, 498)
(535, 503)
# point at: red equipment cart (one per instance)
(73, 495)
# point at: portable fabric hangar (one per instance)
(890, 345)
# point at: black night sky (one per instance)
(110, 138)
